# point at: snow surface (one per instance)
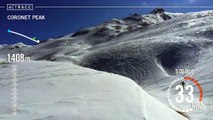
(62, 91)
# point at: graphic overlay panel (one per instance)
(186, 95)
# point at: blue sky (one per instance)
(64, 21)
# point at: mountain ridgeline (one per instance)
(141, 47)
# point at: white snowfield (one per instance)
(62, 91)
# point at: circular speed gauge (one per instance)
(185, 95)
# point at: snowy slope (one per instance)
(71, 47)
(150, 56)
(62, 91)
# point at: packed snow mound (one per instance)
(62, 91)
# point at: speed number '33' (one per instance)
(180, 98)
